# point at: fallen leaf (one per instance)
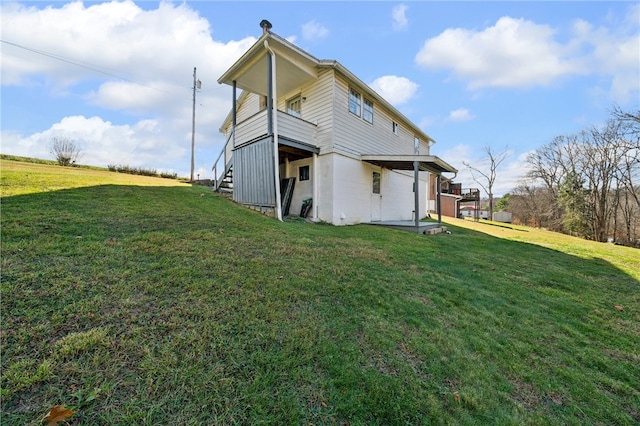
(456, 396)
(324, 404)
(618, 308)
(556, 400)
(58, 414)
(221, 231)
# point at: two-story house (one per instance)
(304, 128)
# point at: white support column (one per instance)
(314, 206)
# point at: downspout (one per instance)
(273, 106)
(416, 194)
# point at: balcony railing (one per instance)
(289, 126)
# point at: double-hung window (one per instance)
(367, 112)
(293, 106)
(355, 102)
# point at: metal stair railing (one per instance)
(226, 165)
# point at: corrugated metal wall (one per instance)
(253, 174)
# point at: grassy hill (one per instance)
(137, 300)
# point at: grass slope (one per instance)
(135, 303)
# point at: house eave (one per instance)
(295, 66)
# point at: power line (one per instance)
(79, 64)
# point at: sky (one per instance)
(116, 77)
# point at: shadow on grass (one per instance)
(146, 304)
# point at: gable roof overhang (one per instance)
(428, 163)
(294, 66)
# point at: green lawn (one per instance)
(137, 300)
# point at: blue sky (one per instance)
(117, 76)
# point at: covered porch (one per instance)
(416, 163)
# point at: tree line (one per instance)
(585, 184)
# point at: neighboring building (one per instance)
(452, 195)
(472, 211)
(305, 128)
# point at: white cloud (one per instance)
(396, 90)
(461, 114)
(313, 31)
(522, 53)
(399, 17)
(117, 56)
(103, 143)
(512, 53)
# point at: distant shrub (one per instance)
(66, 151)
(140, 171)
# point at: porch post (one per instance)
(234, 115)
(416, 193)
(439, 200)
(314, 201)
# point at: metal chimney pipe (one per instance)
(266, 26)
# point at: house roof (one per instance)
(295, 67)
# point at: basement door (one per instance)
(376, 198)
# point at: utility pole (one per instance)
(196, 85)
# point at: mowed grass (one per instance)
(136, 303)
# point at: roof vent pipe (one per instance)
(266, 26)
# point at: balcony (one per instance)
(289, 127)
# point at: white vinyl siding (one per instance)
(249, 107)
(317, 107)
(354, 137)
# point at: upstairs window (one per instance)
(293, 106)
(394, 127)
(367, 112)
(355, 102)
(263, 102)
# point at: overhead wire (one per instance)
(86, 65)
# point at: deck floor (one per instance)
(408, 225)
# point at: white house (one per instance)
(305, 128)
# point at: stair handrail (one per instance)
(218, 181)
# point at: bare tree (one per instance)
(486, 176)
(66, 151)
(591, 180)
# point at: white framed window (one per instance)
(293, 106)
(416, 145)
(367, 111)
(394, 127)
(355, 102)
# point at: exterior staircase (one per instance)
(223, 181)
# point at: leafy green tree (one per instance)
(503, 203)
(573, 198)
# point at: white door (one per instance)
(376, 197)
